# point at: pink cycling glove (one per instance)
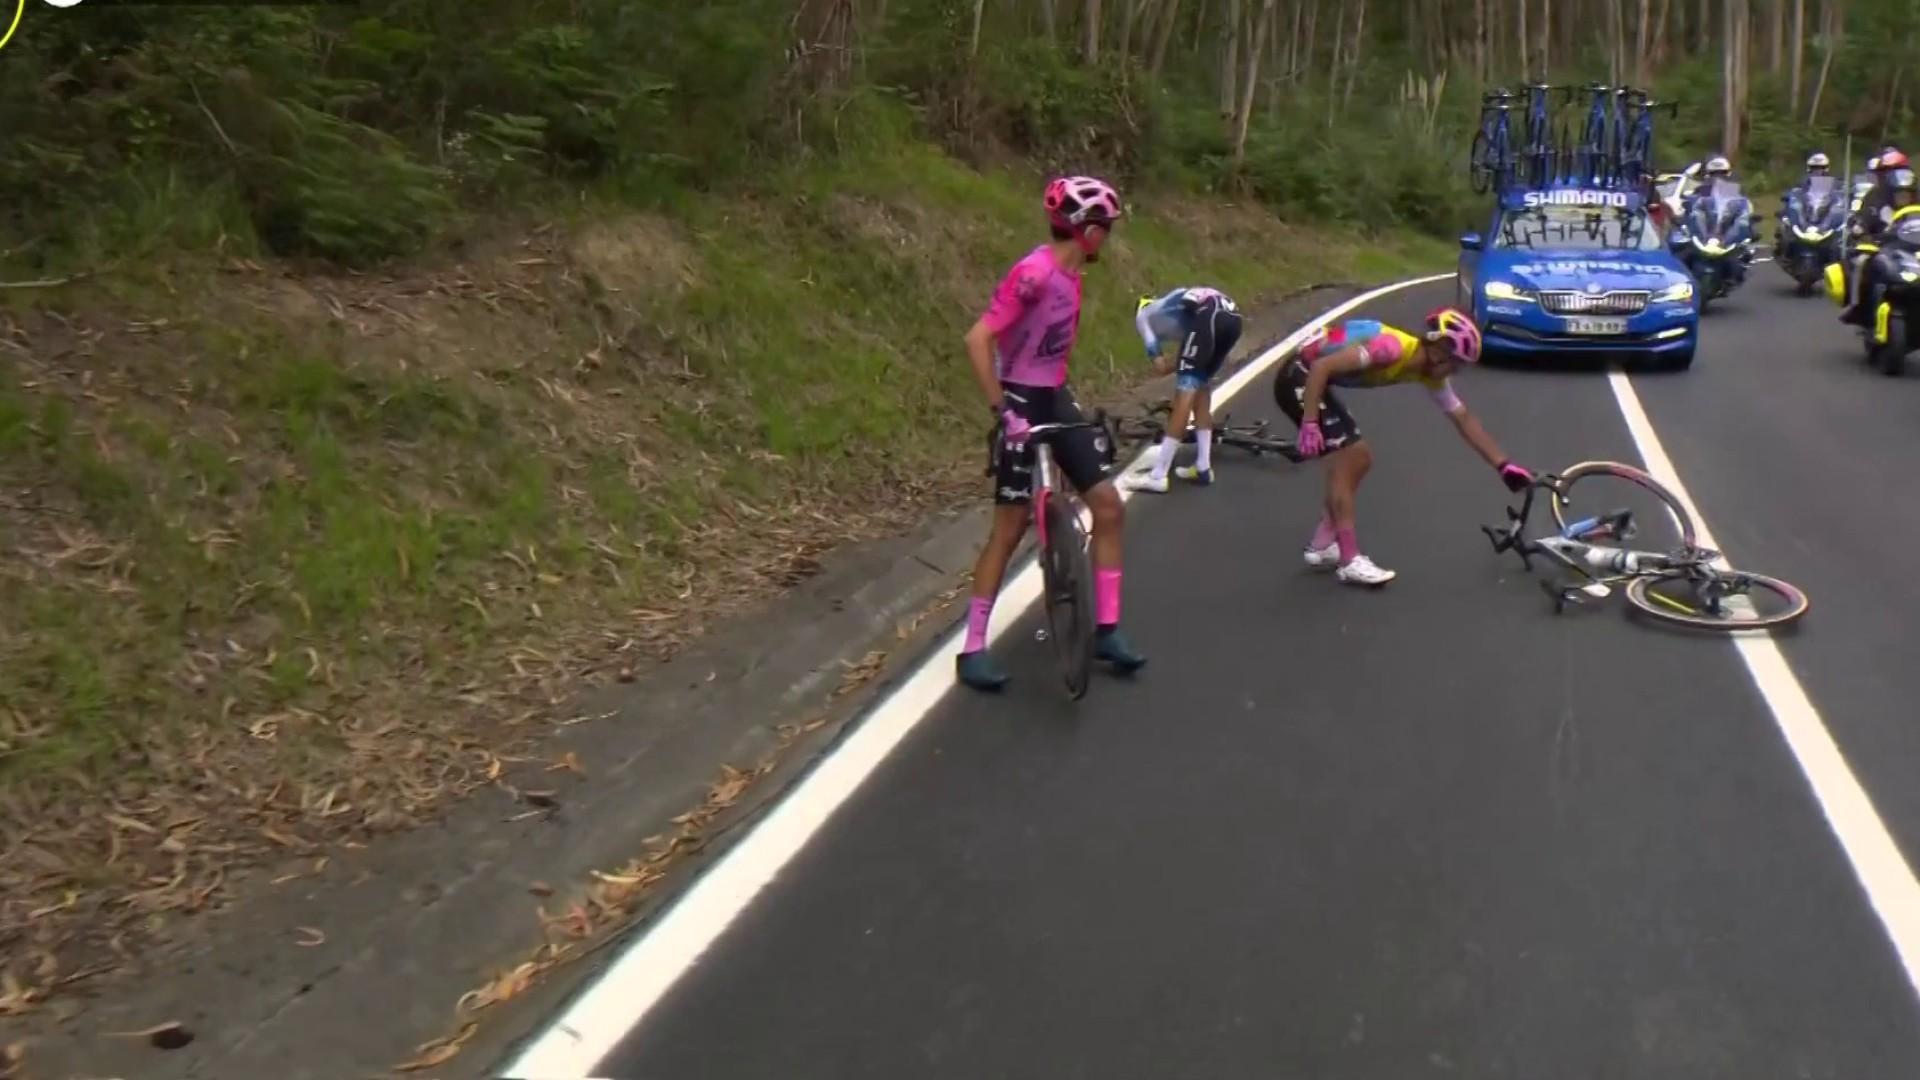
(1515, 477)
(1015, 427)
(1310, 443)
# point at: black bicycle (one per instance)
(1682, 586)
(1251, 437)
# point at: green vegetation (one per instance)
(374, 375)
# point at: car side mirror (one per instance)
(1470, 242)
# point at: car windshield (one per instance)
(1576, 228)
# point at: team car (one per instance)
(1569, 271)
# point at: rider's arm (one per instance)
(1350, 359)
(1469, 426)
(980, 351)
(1143, 322)
(1011, 299)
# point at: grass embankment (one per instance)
(286, 558)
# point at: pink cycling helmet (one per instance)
(1456, 328)
(1074, 202)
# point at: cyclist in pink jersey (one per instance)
(1020, 348)
(1364, 353)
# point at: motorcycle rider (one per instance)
(1902, 190)
(1818, 165)
(1871, 213)
(1718, 170)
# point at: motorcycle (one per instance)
(1715, 241)
(1809, 236)
(1892, 284)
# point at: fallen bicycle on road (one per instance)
(1150, 426)
(1681, 586)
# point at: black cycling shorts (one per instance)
(1211, 335)
(1337, 426)
(1085, 456)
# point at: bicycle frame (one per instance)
(1046, 474)
(1602, 566)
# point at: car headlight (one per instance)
(1502, 290)
(1673, 294)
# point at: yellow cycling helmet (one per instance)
(1145, 299)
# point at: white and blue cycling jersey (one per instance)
(1172, 317)
(1203, 323)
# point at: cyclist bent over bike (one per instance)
(1019, 349)
(1206, 325)
(1364, 353)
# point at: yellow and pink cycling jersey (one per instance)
(1387, 355)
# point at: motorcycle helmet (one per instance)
(1818, 164)
(1902, 189)
(1718, 166)
(1889, 160)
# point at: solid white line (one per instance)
(596, 1021)
(1891, 887)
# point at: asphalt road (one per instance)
(1433, 830)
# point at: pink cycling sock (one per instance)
(1322, 534)
(1349, 545)
(978, 612)
(1106, 597)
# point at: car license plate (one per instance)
(1596, 326)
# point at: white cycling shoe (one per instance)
(1145, 481)
(1362, 571)
(1325, 558)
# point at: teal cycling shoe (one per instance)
(980, 670)
(1109, 646)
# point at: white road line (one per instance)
(601, 1016)
(1891, 887)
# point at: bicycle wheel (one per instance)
(1751, 601)
(1569, 479)
(1479, 175)
(1067, 579)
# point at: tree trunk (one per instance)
(1641, 43)
(1526, 63)
(1546, 55)
(1729, 118)
(1619, 15)
(1241, 122)
(1353, 54)
(1293, 41)
(1480, 41)
(1832, 36)
(1090, 45)
(1230, 62)
(1660, 35)
(1799, 51)
(1778, 32)
(1049, 20)
(1702, 29)
(1167, 23)
(979, 8)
